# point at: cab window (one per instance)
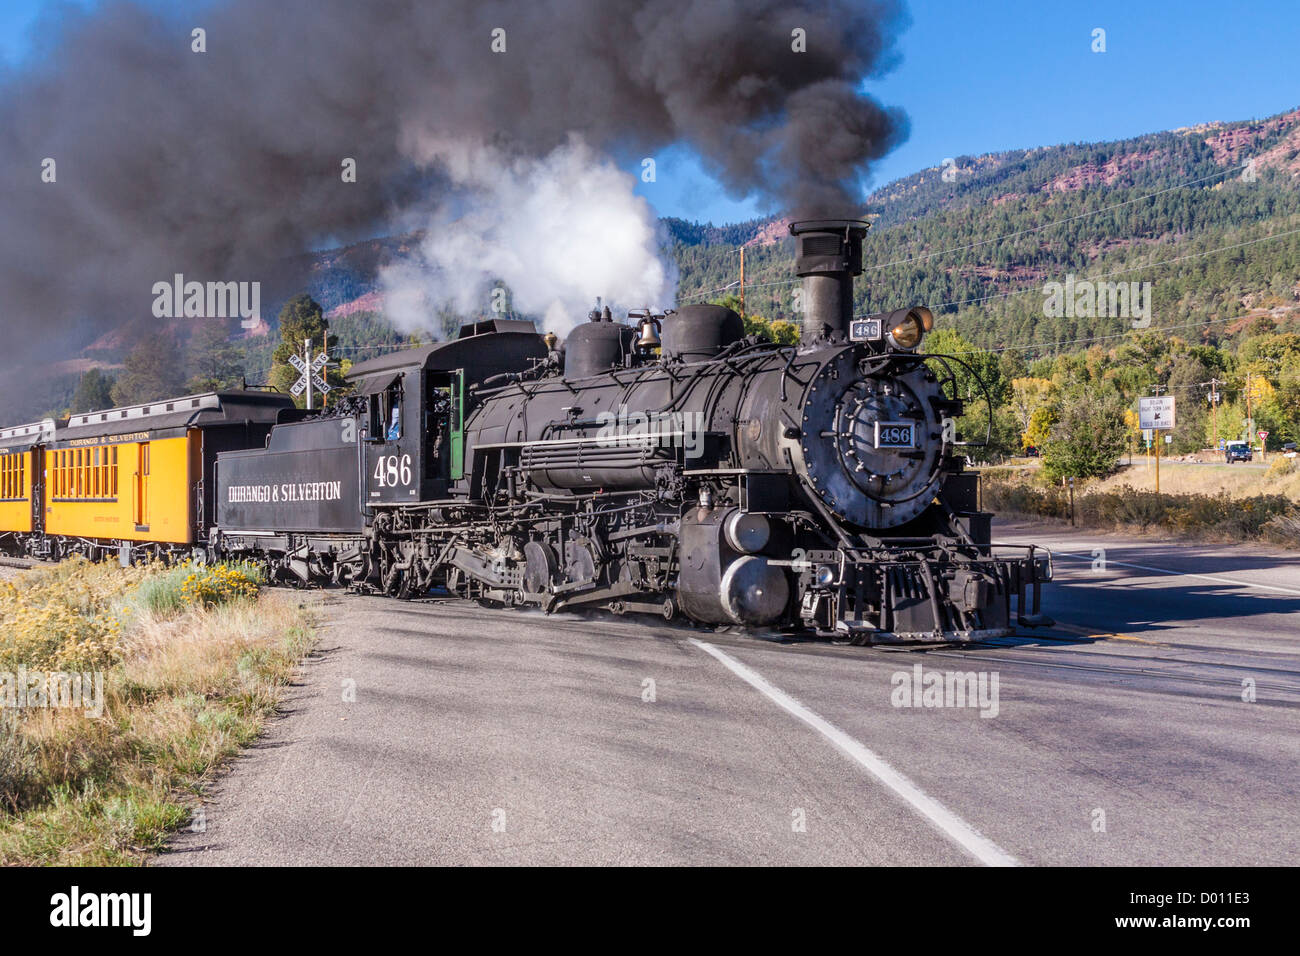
(386, 413)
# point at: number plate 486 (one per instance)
(864, 330)
(392, 471)
(894, 435)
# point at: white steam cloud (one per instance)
(558, 231)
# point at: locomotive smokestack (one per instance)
(828, 255)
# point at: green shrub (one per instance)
(160, 594)
(1088, 438)
(206, 585)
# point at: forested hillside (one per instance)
(980, 248)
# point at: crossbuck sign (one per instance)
(309, 374)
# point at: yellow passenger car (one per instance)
(136, 486)
(143, 474)
(20, 482)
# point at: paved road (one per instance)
(1133, 747)
(1217, 461)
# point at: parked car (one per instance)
(1288, 450)
(1237, 451)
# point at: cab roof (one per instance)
(480, 349)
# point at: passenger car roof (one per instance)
(25, 436)
(190, 411)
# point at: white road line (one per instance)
(1187, 574)
(952, 825)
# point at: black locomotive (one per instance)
(668, 466)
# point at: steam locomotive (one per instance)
(670, 466)
(667, 466)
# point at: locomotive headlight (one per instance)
(907, 332)
(824, 575)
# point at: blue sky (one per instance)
(985, 75)
(976, 76)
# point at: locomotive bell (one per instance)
(649, 334)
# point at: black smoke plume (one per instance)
(211, 164)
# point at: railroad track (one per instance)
(1064, 657)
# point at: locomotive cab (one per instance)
(413, 430)
(412, 434)
(391, 438)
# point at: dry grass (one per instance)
(1258, 508)
(186, 685)
(1282, 477)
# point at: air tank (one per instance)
(696, 333)
(597, 346)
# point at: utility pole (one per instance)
(1250, 425)
(1214, 409)
(306, 357)
(1157, 389)
(742, 282)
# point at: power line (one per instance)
(1117, 272)
(1118, 335)
(1009, 235)
(748, 285)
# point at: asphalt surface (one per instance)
(1120, 736)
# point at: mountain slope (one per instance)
(1117, 209)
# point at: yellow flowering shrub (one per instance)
(214, 584)
(188, 585)
(65, 617)
(71, 616)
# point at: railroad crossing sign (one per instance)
(309, 376)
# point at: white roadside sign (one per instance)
(1156, 412)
